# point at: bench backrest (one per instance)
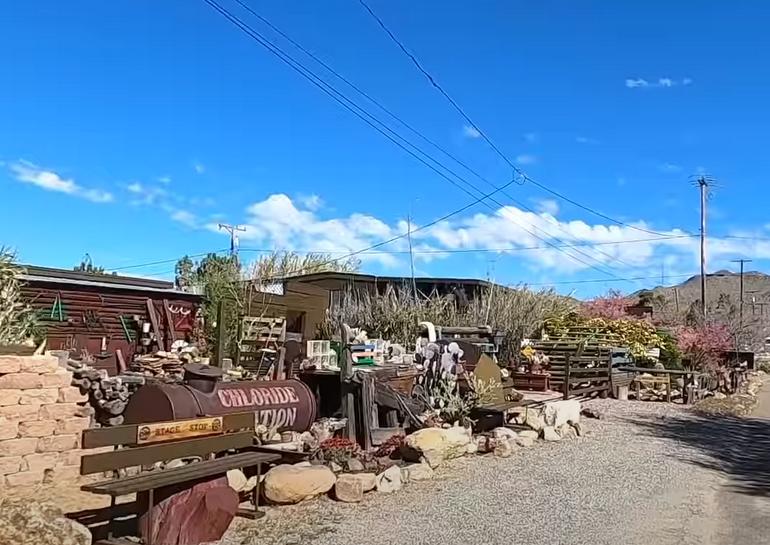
(159, 441)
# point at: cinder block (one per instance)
(18, 447)
(59, 411)
(75, 425)
(71, 394)
(72, 457)
(59, 379)
(39, 462)
(61, 474)
(9, 428)
(20, 412)
(10, 364)
(39, 396)
(9, 396)
(39, 364)
(37, 428)
(24, 478)
(22, 381)
(10, 464)
(58, 443)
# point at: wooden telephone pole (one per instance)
(740, 312)
(703, 184)
(232, 229)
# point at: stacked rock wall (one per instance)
(41, 420)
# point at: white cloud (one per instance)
(531, 137)
(282, 223)
(185, 217)
(199, 168)
(634, 83)
(548, 206)
(471, 132)
(526, 159)
(586, 140)
(164, 179)
(29, 173)
(311, 202)
(670, 168)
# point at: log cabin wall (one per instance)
(81, 311)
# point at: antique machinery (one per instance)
(287, 405)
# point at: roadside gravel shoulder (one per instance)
(617, 484)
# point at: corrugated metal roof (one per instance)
(359, 277)
(74, 278)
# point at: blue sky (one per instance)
(128, 129)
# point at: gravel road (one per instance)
(647, 473)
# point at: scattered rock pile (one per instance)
(416, 457)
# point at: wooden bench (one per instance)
(211, 438)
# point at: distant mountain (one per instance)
(722, 302)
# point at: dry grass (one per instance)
(395, 315)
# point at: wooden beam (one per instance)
(137, 456)
(127, 434)
(169, 322)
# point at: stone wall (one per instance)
(41, 420)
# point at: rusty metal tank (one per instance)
(288, 405)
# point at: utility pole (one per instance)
(411, 254)
(740, 312)
(232, 229)
(703, 185)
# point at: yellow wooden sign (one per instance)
(182, 429)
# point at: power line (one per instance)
(601, 280)
(388, 241)
(350, 105)
(479, 250)
(446, 251)
(434, 83)
(404, 123)
(161, 262)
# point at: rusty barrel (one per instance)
(287, 405)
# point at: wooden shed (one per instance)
(96, 312)
(303, 306)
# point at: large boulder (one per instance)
(349, 489)
(525, 441)
(434, 445)
(558, 413)
(534, 418)
(550, 434)
(504, 447)
(389, 480)
(504, 433)
(292, 484)
(24, 522)
(419, 472)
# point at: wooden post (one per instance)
(219, 352)
(346, 385)
(609, 375)
(668, 388)
(368, 409)
(566, 377)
